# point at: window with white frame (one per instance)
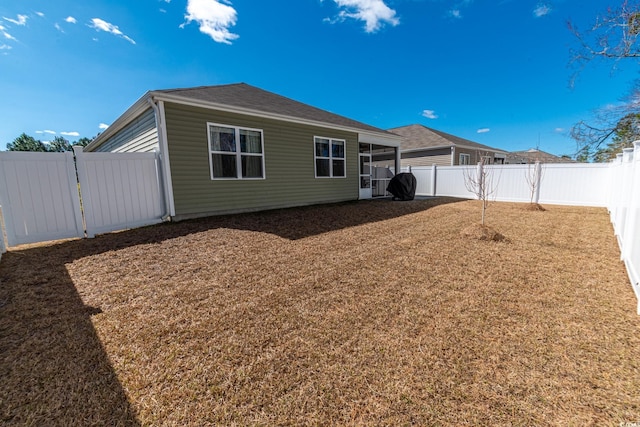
(329, 156)
(464, 159)
(235, 152)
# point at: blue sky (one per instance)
(493, 71)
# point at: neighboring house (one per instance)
(236, 148)
(533, 155)
(423, 146)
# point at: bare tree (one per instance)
(533, 178)
(481, 183)
(613, 36)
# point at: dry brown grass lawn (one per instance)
(368, 313)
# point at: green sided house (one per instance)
(237, 148)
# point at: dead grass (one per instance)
(369, 313)
(482, 232)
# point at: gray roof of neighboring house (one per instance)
(533, 155)
(418, 136)
(250, 97)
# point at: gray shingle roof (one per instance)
(250, 97)
(533, 155)
(419, 136)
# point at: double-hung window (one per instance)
(235, 153)
(464, 159)
(329, 156)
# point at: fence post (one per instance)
(538, 178)
(3, 246)
(85, 191)
(434, 176)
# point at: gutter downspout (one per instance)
(165, 168)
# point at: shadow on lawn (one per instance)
(53, 366)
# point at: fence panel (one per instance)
(626, 212)
(450, 181)
(423, 176)
(119, 190)
(578, 184)
(39, 196)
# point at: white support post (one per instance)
(434, 176)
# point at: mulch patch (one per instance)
(367, 313)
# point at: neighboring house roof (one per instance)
(418, 137)
(533, 155)
(244, 99)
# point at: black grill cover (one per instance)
(403, 186)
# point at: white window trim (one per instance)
(464, 155)
(330, 158)
(238, 153)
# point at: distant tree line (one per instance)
(59, 144)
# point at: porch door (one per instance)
(365, 171)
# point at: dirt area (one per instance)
(364, 313)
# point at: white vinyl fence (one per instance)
(119, 190)
(615, 186)
(39, 197)
(624, 207)
(50, 196)
(576, 184)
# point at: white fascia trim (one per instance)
(414, 150)
(258, 113)
(487, 149)
(377, 139)
(139, 107)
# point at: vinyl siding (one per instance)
(139, 136)
(289, 165)
(440, 157)
(475, 155)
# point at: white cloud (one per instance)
(214, 18)
(101, 25)
(455, 13)
(70, 133)
(71, 20)
(50, 132)
(22, 20)
(6, 34)
(57, 26)
(483, 130)
(429, 114)
(559, 130)
(373, 12)
(40, 14)
(103, 126)
(5, 47)
(541, 10)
